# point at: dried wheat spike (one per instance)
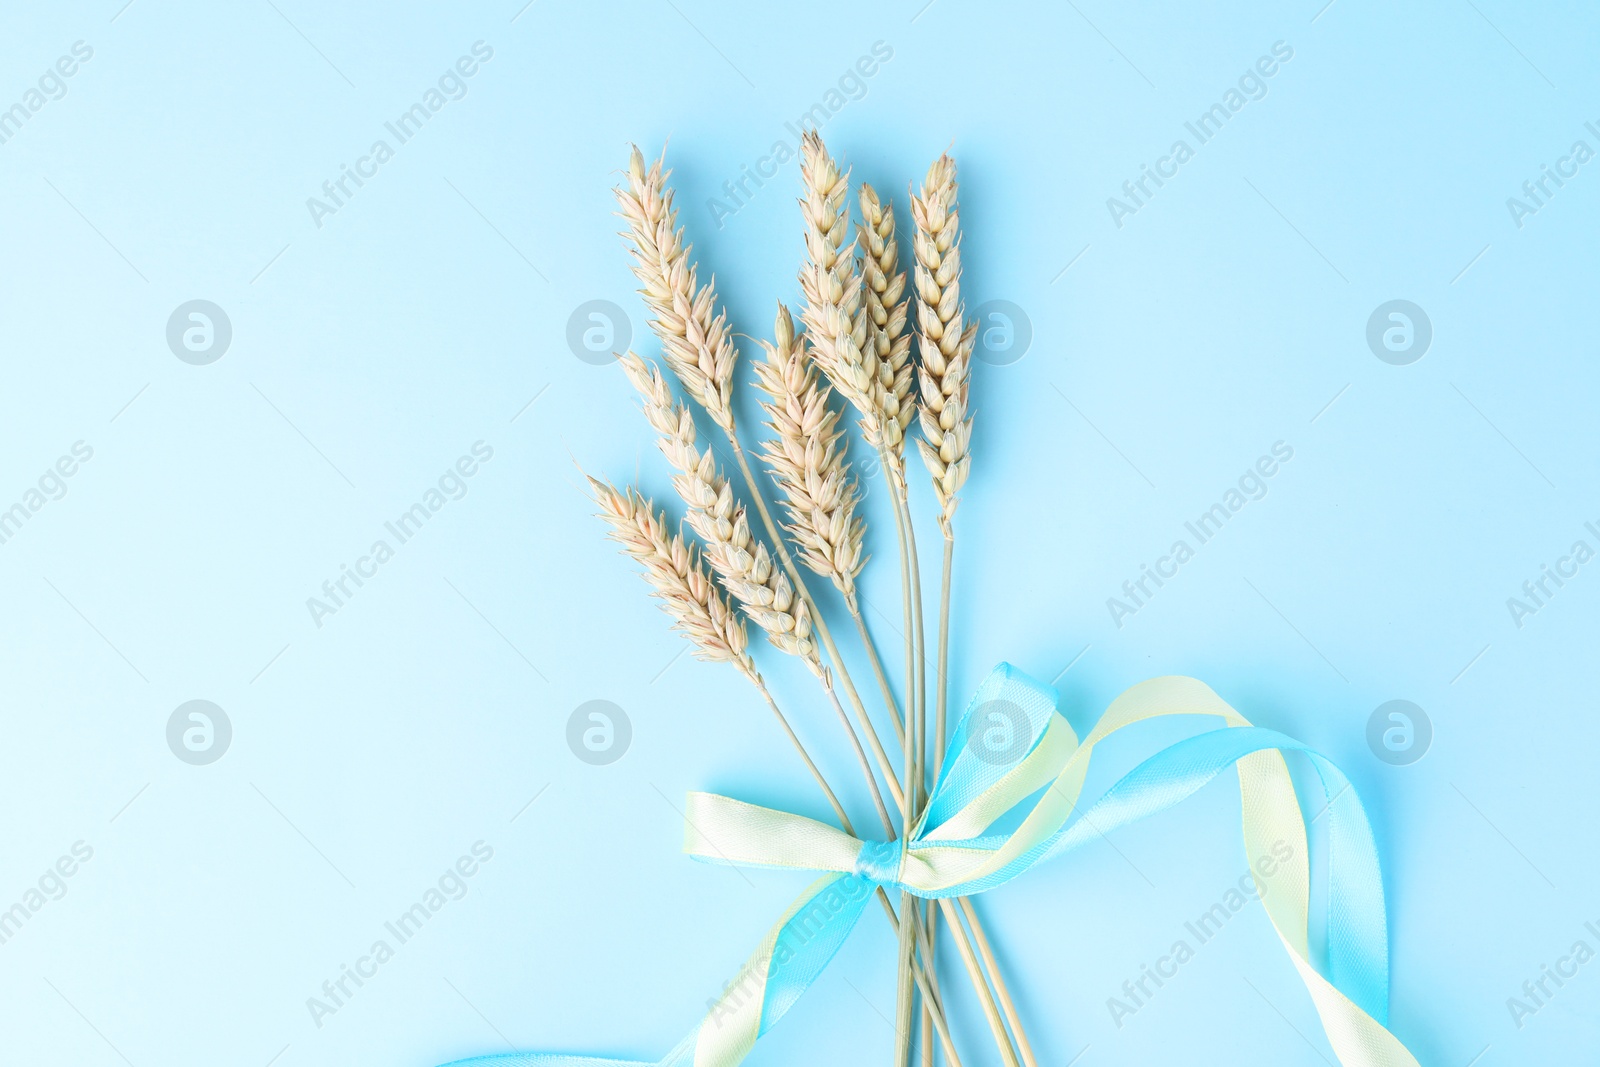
(806, 458)
(741, 561)
(834, 316)
(884, 290)
(674, 571)
(945, 339)
(695, 337)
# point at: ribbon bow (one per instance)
(1012, 753)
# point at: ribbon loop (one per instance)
(718, 829)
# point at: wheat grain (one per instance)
(886, 306)
(807, 459)
(696, 338)
(945, 339)
(675, 572)
(741, 561)
(834, 316)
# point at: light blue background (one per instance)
(368, 354)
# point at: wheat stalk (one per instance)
(695, 337)
(806, 456)
(836, 326)
(886, 305)
(945, 339)
(945, 347)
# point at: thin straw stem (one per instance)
(931, 930)
(805, 757)
(1006, 1004)
(927, 1036)
(908, 903)
(854, 604)
(861, 757)
(921, 743)
(991, 1010)
(941, 682)
(926, 981)
(901, 521)
(941, 679)
(882, 757)
(996, 976)
(909, 740)
(941, 693)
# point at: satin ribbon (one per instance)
(1013, 753)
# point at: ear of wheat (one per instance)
(676, 575)
(835, 318)
(883, 286)
(690, 596)
(741, 560)
(945, 339)
(807, 459)
(695, 337)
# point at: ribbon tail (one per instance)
(790, 958)
(1355, 1010)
